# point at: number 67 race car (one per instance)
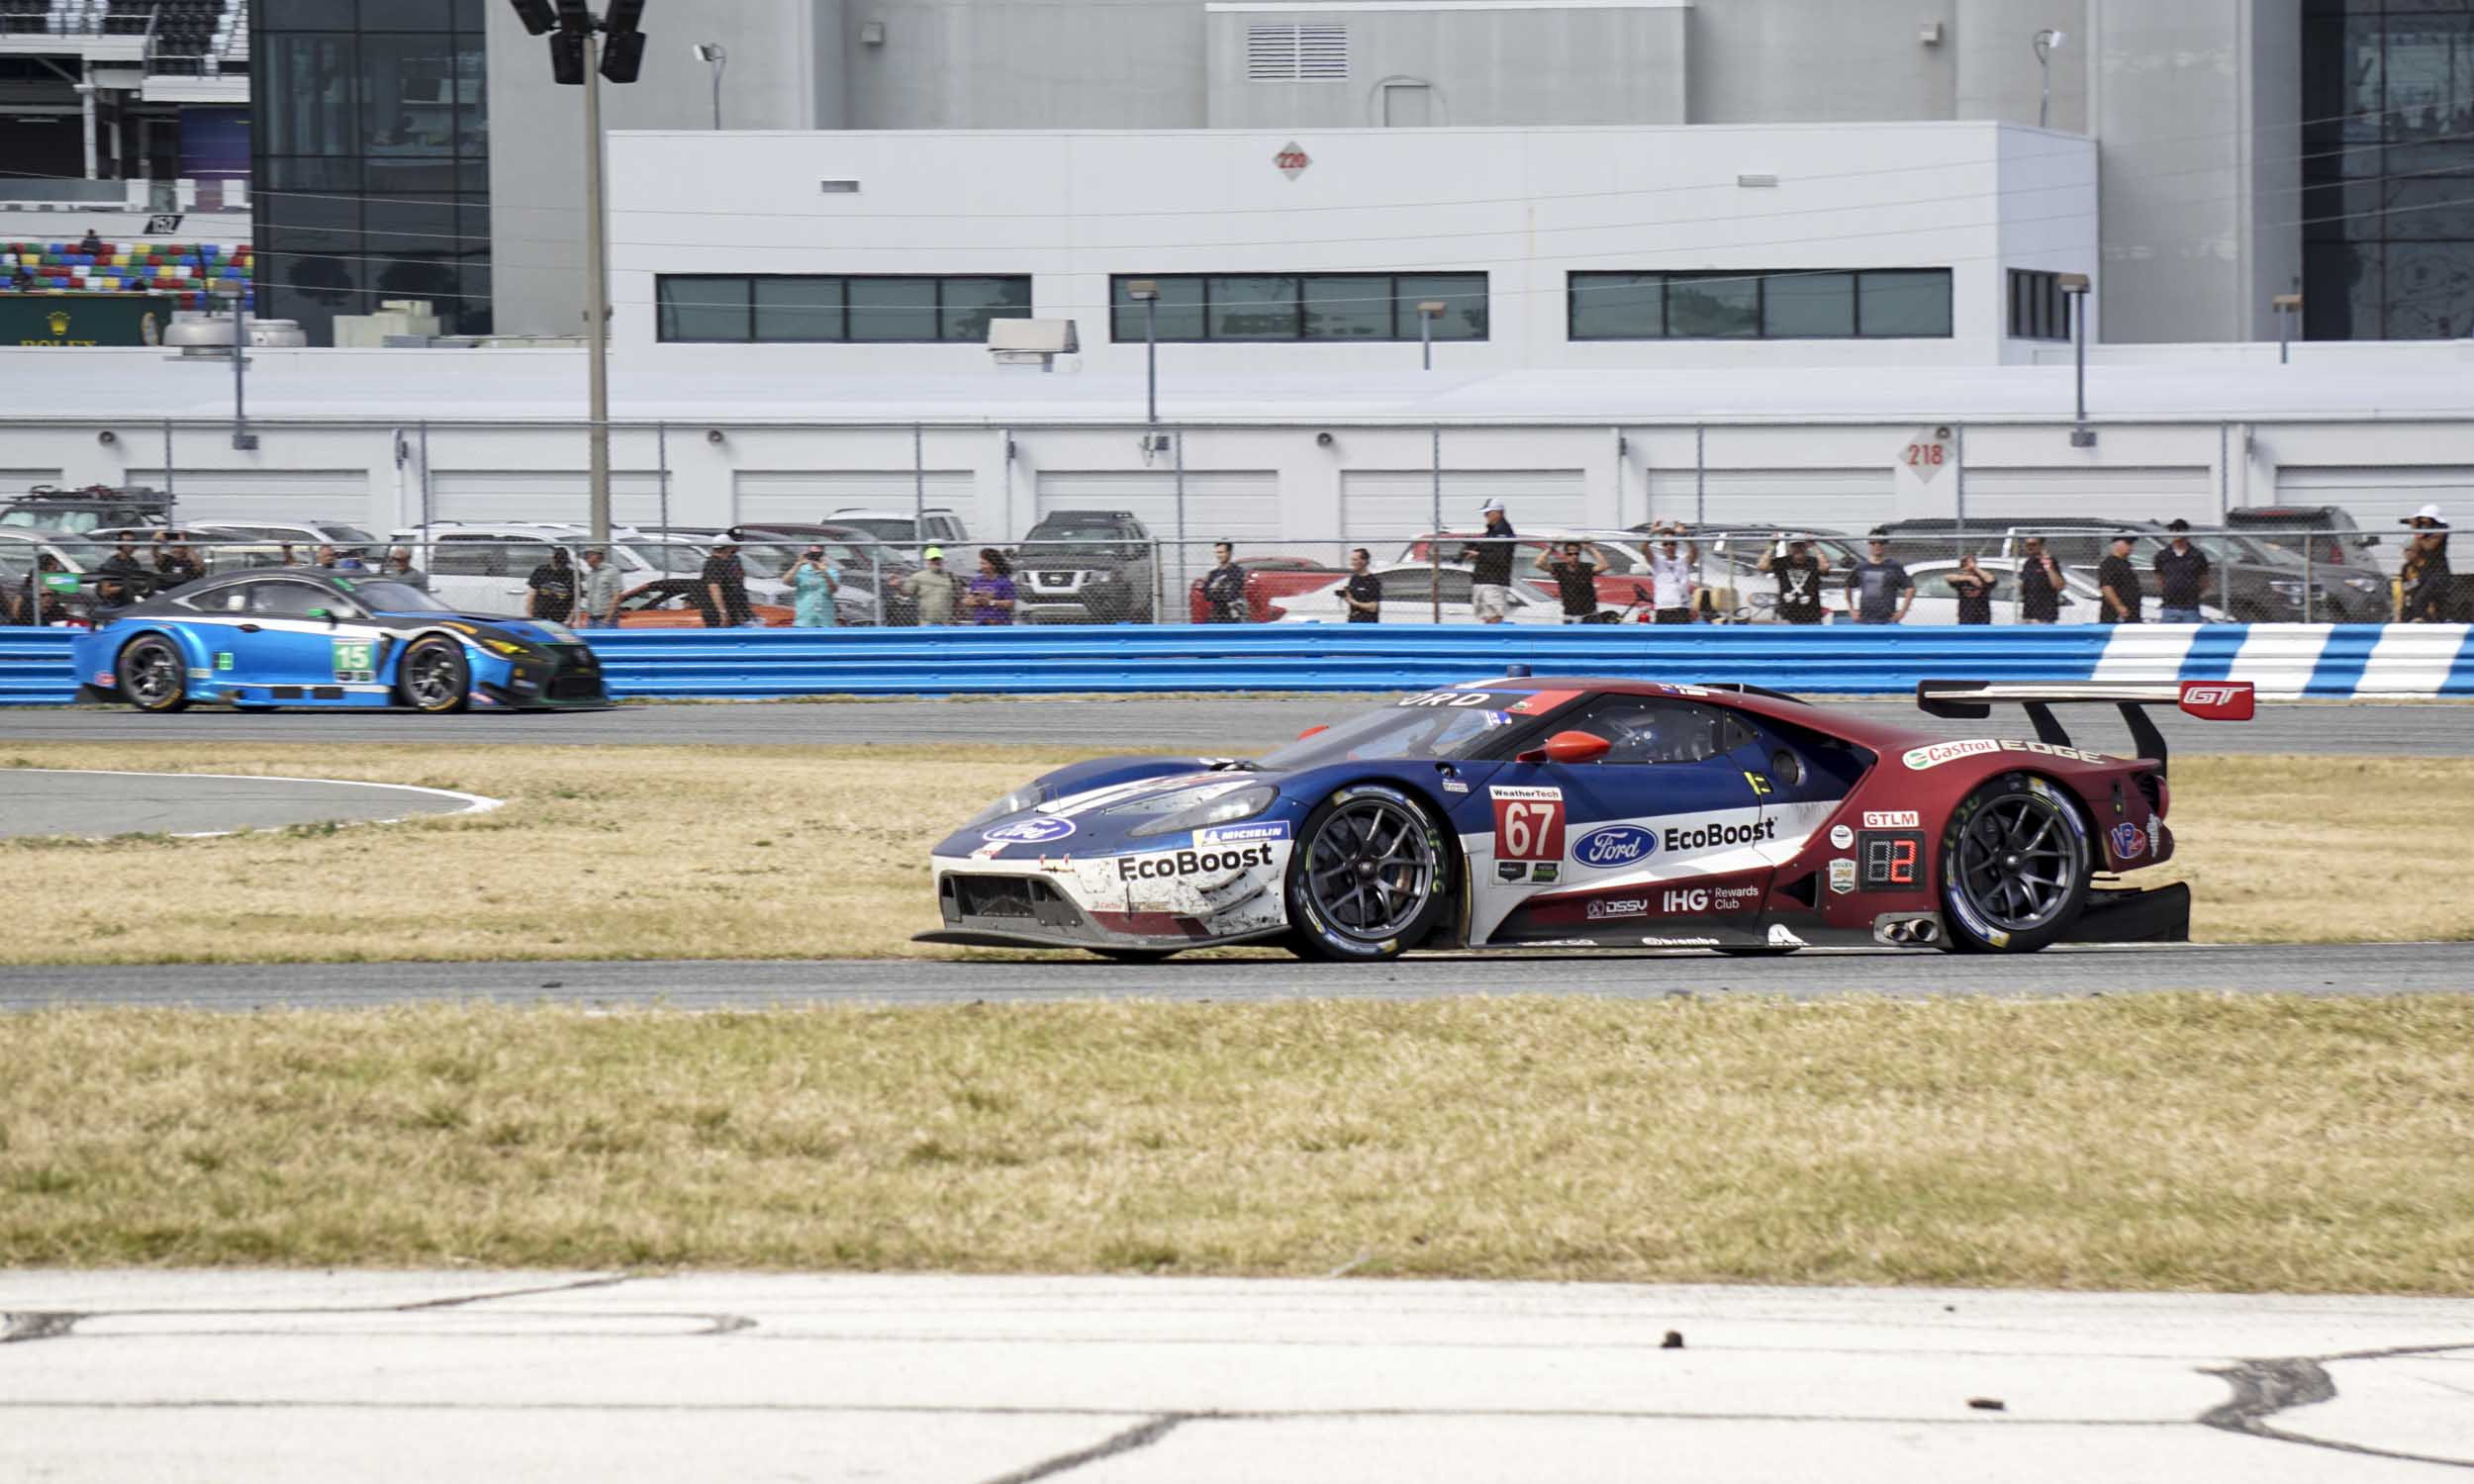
(1536, 813)
(315, 637)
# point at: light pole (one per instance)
(714, 53)
(2048, 42)
(2075, 286)
(584, 49)
(1427, 311)
(2287, 307)
(237, 291)
(1146, 292)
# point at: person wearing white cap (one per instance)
(1490, 565)
(2425, 588)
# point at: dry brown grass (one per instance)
(2151, 1142)
(769, 852)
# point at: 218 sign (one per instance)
(1924, 455)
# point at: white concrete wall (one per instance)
(1526, 206)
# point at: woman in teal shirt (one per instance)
(811, 581)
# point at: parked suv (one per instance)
(935, 526)
(2283, 526)
(1085, 567)
(94, 508)
(488, 568)
(2253, 583)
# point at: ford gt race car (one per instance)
(304, 637)
(1538, 814)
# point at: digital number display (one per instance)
(1890, 860)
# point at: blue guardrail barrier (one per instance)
(2282, 659)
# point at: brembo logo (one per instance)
(1169, 864)
(1722, 834)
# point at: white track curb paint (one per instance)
(474, 803)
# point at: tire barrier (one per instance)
(2283, 660)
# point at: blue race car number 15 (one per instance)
(355, 660)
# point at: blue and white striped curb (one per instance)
(2395, 660)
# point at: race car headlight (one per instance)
(1024, 797)
(507, 647)
(1202, 812)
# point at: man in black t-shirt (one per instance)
(122, 562)
(1576, 579)
(2041, 583)
(1224, 587)
(1799, 573)
(1878, 588)
(1362, 595)
(2181, 578)
(2117, 581)
(553, 586)
(1490, 565)
(725, 581)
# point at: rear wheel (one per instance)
(435, 676)
(152, 674)
(1368, 880)
(2015, 866)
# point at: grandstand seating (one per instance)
(186, 269)
(188, 36)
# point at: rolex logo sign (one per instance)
(65, 321)
(59, 323)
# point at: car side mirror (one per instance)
(1570, 748)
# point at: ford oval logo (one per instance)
(1615, 845)
(1030, 831)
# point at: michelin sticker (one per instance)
(1272, 829)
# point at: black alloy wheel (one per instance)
(1370, 879)
(152, 674)
(435, 676)
(2015, 866)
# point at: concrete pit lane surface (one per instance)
(749, 984)
(42, 802)
(315, 1376)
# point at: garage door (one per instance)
(270, 494)
(1832, 499)
(2158, 494)
(546, 494)
(2381, 497)
(16, 482)
(1381, 506)
(1240, 505)
(806, 496)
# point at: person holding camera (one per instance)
(1800, 570)
(812, 584)
(1576, 579)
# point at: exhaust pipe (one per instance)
(1927, 931)
(1896, 932)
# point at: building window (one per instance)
(784, 308)
(1292, 53)
(1303, 307)
(1802, 304)
(2038, 309)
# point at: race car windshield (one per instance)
(397, 598)
(1407, 731)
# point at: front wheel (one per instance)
(2015, 866)
(435, 676)
(1368, 880)
(152, 674)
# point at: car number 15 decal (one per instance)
(355, 660)
(1528, 824)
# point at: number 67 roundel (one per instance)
(1528, 824)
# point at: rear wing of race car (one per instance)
(2207, 700)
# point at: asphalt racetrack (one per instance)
(728, 985)
(1238, 725)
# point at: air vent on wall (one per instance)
(1297, 52)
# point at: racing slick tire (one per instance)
(152, 675)
(2016, 863)
(434, 676)
(1369, 879)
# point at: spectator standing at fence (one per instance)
(285, 556)
(990, 597)
(598, 591)
(122, 562)
(1576, 579)
(933, 588)
(1974, 588)
(1362, 594)
(811, 587)
(346, 561)
(724, 584)
(552, 584)
(1490, 565)
(1674, 577)
(2181, 578)
(176, 565)
(2041, 583)
(397, 567)
(1224, 587)
(1800, 570)
(2117, 583)
(2426, 588)
(1878, 588)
